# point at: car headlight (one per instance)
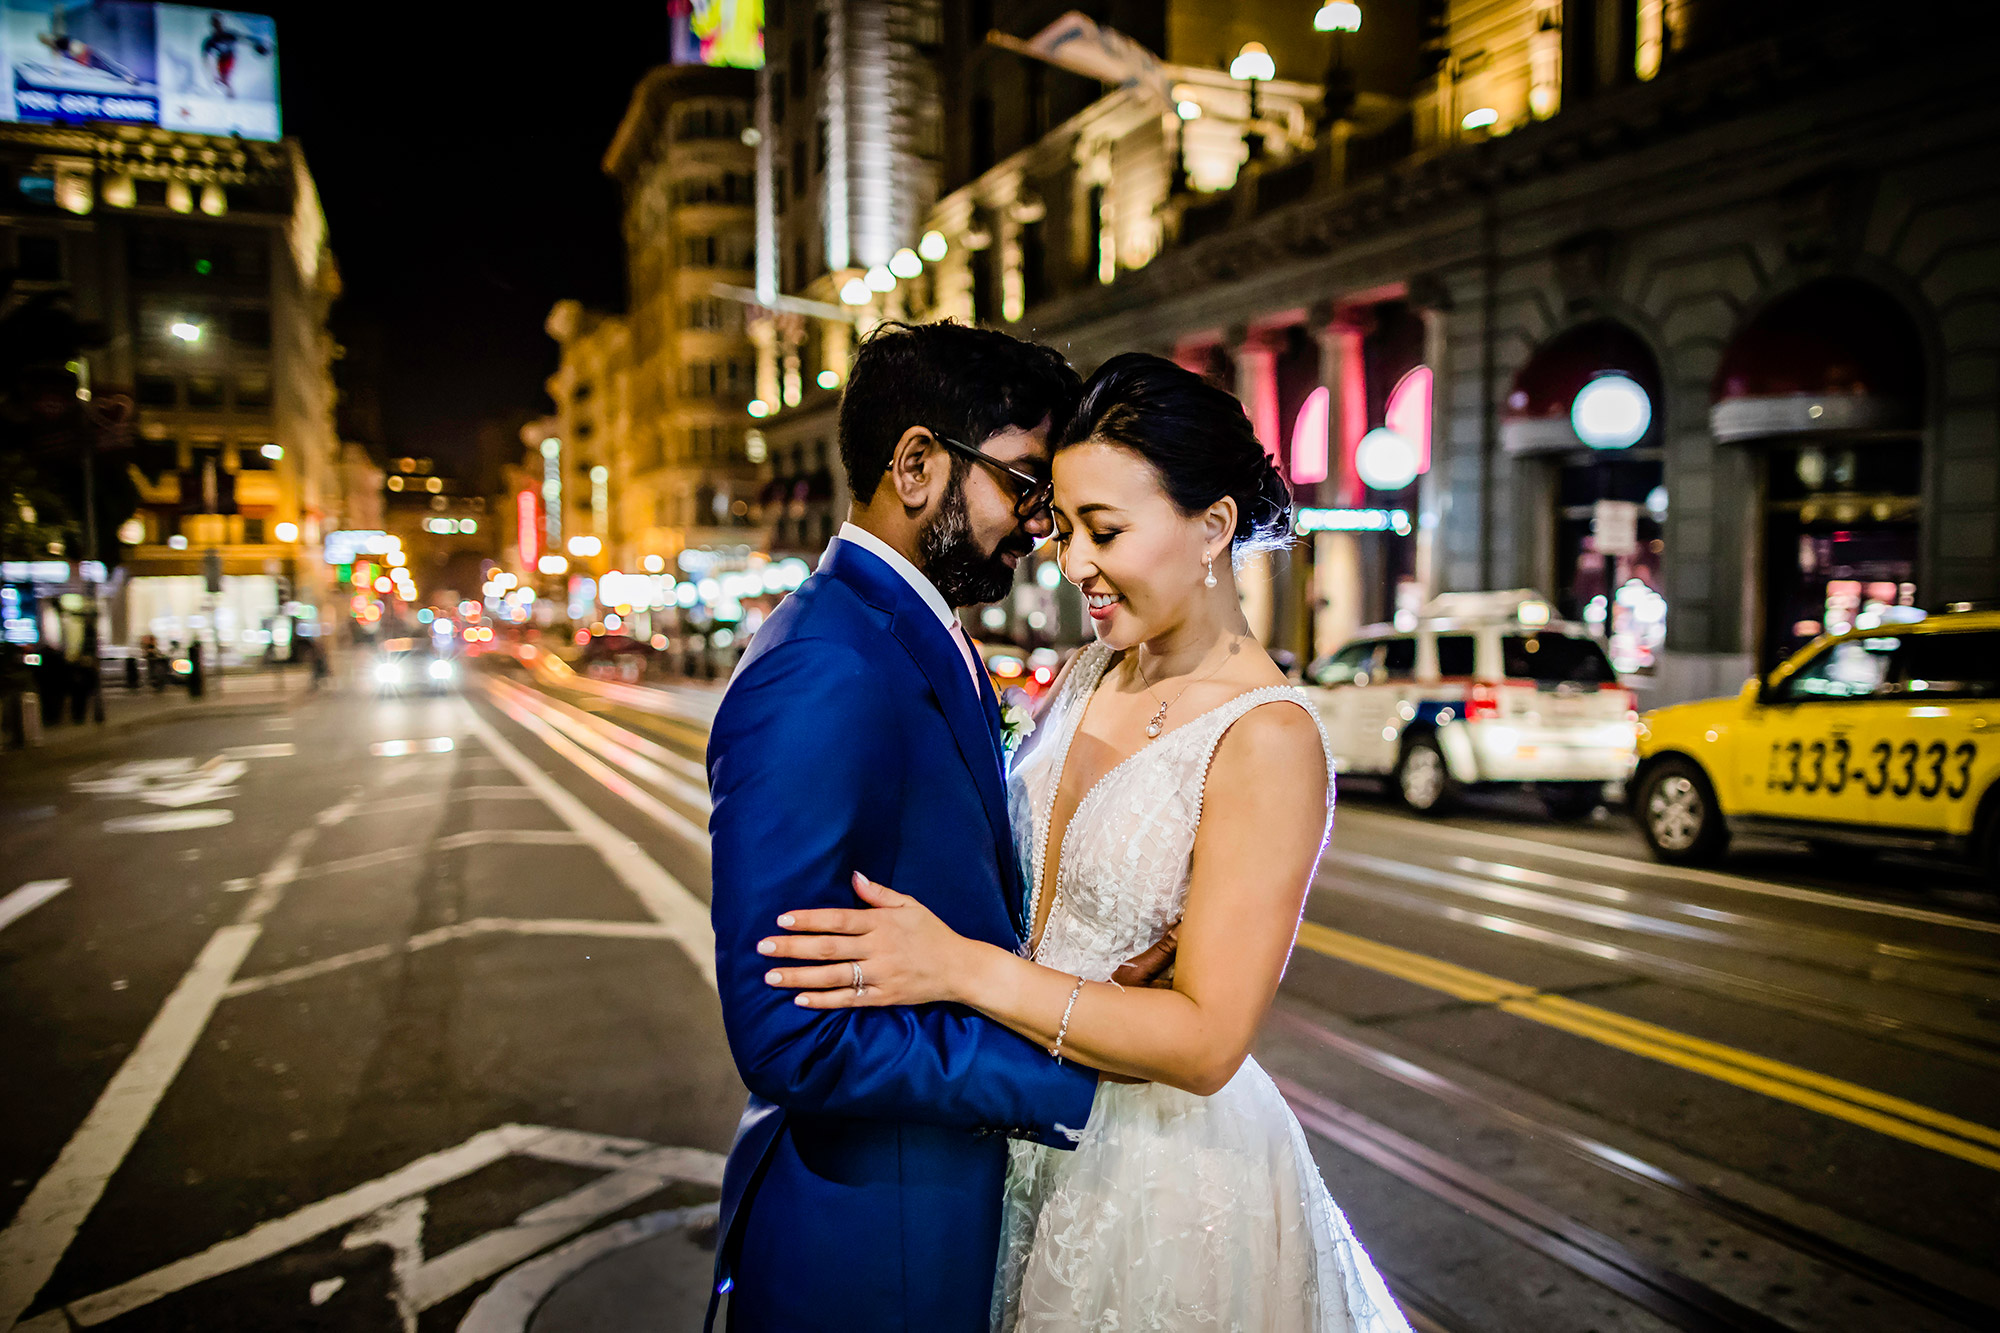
(389, 673)
(440, 670)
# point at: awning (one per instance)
(1836, 355)
(1537, 416)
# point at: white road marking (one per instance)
(27, 898)
(275, 750)
(463, 930)
(527, 712)
(520, 837)
(277, 724)
(169, 821)
(395, 749)
(648, 760)
(1714, 878)
(386, 1207)
(169, 782)
(41, 1232)
(665, 897)
(508, 1305)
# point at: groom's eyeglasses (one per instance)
(1031, 493)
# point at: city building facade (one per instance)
(1673, 311)
(202, 268)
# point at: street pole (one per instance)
(93, 630)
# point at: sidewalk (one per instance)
(241, 692)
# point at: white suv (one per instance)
(1486, 689)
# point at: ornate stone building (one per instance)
(1759, 235)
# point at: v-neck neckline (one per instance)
(1045, 823)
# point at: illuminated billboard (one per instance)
(716, 32)
(203, 71)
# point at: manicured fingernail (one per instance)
(799, 1000)
(858, 878)
(772, 977)
(786, 921)
(766, 946)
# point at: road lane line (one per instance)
(27, 898)
(1970, 1045)
(650, 762)
(1878, 1111)
(463, 930)
(1686, 874)
(676, 823)
(55, 1210)
(669, 901)
(281, 1234)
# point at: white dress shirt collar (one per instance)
(909, 573)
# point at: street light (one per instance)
(1253, 64)
(1337, 98)
(186, 332)
(932, 247)
(880, 279)
(905, 264)
(854, 292)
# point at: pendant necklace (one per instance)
(1160, 717)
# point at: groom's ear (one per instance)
(914, 466)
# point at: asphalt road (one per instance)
(430, 1003)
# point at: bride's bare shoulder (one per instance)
(1275, 747)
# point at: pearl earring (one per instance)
(1209, 582)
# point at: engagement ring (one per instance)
(858, 983)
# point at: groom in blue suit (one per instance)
(861, 733)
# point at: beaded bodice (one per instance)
(1122, 869)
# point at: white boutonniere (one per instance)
(1017, 721)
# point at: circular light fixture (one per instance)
(286, 532)
(905, 264)
(759, 408)
(829, 379)
(1480, 119)
(1611, 412)
(1253, 62)
(552, 564)
(653, 564)
(600, 473)
(585, 546)
(132, 531)
(1336, 16)
(854, 292)
(273, 451)
(880, 279)
(186, 332)
(551, 447)
(1385, 460)
(932, 247)
(1188, 109)
(435, 485)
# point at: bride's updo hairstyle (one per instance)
(1197, 438)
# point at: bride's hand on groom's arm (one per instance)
(907, 955)
(1154, 967)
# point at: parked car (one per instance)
(1883, 736)
(1485, 690)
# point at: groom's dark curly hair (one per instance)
(963, 382)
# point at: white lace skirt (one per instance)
(1177, 1212)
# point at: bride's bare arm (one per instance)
(1264, 809)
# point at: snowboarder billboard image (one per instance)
(202, 71)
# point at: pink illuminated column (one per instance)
(1257, 386)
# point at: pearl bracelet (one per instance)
(1063, 1031)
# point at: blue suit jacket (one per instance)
(863, 1189)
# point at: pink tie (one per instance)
(965, 650)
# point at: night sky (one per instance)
(457, 150)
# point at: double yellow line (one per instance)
(1851, 1102)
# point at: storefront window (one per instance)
(1610, 551)
(1841, 538)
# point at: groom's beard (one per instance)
(952, 561)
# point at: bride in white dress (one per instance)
(1176, 783)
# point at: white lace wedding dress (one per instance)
(1174, 1212)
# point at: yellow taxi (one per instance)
(1886, 736)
